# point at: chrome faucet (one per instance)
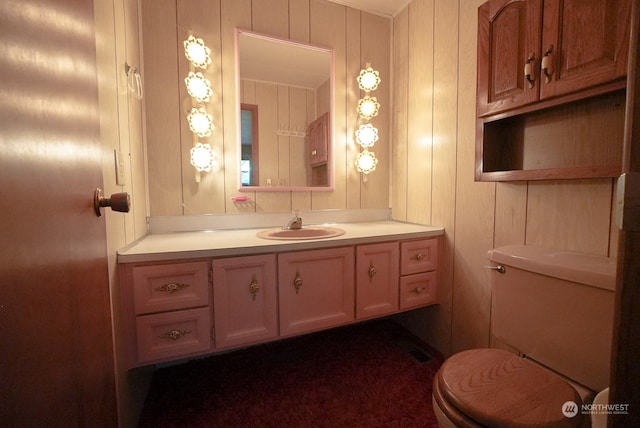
(295, 223)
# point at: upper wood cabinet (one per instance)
(584, 44)
(551, 89)
(531, 50)
(508, 40)
(319, 141)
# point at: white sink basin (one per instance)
(311, 232)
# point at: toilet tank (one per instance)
(556, 307)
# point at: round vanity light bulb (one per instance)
(368, 79)
(366, 161)
(368, 107)
(198, 87)
(367, 135)
(202, 157)
(197, 52)
(200, 122)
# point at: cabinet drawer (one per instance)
(173, 334)
(169, 287)
(418, 256)
(418, 290)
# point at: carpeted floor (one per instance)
(372, 374)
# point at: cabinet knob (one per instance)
(417, 290)
(372, 271)
(297, 282)
(254, 287)
(528, 70)
(420, 257)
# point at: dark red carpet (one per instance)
(371, 374)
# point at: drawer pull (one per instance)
(174, 334)
(528, 70)
(254, 287)
(420, 257)
(372, 271)
(417, 290)
(172, 287)
(297, 282)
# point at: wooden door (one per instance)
(508, 39)
(245, 299)
(315, 289)
(56, 356)
(584, 44)
(377, 274)
(625, 370)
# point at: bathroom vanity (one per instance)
(195, 293)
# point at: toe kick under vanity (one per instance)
(196, 293)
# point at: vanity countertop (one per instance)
(238, 242)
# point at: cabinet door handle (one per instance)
(420, 257)
(417, 290)
(528, 70)
(297, 282)
(372, 271)
(254, 287)
(172, 287)
(174, 334)
(547, 64)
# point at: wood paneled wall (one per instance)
(117, 40)
(434, 67)
(356, 38)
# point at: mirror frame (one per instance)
(330, 146)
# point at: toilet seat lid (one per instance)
(497, 388)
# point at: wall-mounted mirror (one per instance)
(285, 93)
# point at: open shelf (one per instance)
(580, 139)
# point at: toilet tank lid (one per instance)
(588, 269)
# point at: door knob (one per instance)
(120, 202)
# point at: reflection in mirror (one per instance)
(285, 93)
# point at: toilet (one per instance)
(551, 326)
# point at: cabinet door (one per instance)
(586, 44)
(377, 272)
(245, 300)
(315, 289)
(508, 40)
(318, 140)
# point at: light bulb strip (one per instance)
(199, 89)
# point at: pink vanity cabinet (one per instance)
(196, 306)
(245, 300)
(315, 289)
